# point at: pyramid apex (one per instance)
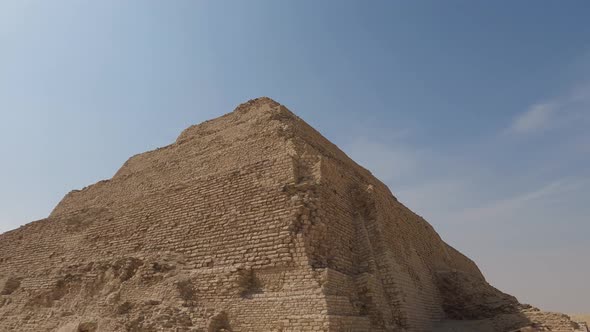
(257, 103)
(257, 108)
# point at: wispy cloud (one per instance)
(505, 208)
(553, 114)
(537, 117)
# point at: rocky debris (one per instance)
(469, 298)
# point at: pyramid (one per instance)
(249, 222)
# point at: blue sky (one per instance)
(475, 114)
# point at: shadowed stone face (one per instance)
(249, 222)
(10, 286)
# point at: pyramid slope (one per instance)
(249, 222)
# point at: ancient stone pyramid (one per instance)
(249, 222)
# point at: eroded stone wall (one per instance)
(249, 222)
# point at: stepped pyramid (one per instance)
(249, 222)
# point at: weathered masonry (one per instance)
(249, 222)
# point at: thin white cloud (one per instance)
(528, 200)
(535, 118)
(556, 113)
